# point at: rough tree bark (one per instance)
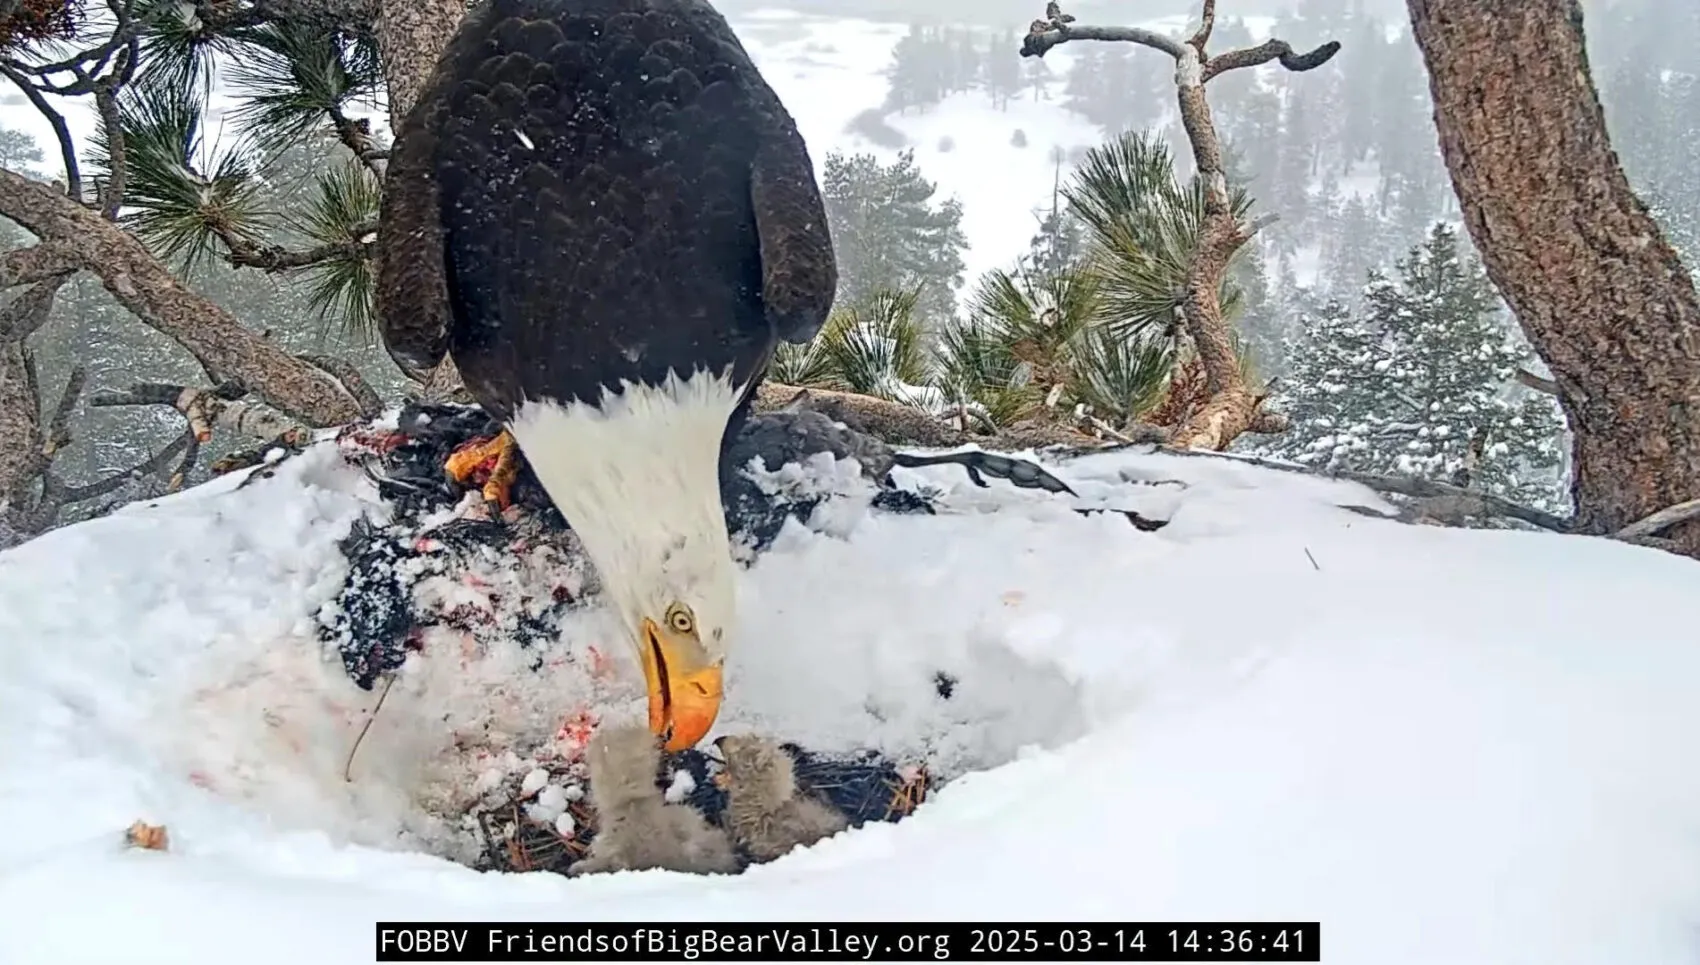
(411, 37)
(24, 437)
(1596, 287)
(1232, 407)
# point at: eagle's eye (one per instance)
(679, 618)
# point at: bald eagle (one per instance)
(607, 218)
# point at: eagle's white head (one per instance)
(638, 479)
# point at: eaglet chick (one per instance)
(636, 827)
(765, 811)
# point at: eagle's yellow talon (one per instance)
(498, 456)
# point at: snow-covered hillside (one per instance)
(1447, 746)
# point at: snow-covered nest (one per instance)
(1446, 745)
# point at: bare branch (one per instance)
(1250, 229)
(1537, 383)
(1662, 520)
(106, 104)
(1270, 50)
(28, 312)
(186, 465)
(67, 148)
(151, 466)
(1206, 24)
(58, 433)
(1045, 35)
(1430, 489)
(37, 263)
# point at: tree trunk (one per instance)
(1593, 282)
(411, 38)
(20, 423)
(223, 346)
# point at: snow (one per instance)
(1460, 746)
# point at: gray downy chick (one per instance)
(765, 811)
(636, 828)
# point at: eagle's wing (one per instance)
(412, 289)
(799, 272)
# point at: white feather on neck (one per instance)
(638, 479)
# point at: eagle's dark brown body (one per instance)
(597, 190)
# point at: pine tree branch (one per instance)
(356, 135)
(122, 50)
(1413, 487)
(106, 104)
(271, 259)
(37, 263)
(136, 277)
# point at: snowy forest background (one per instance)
(1364, 308)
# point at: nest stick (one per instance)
(348, 765)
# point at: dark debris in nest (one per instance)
(440, 530)
(864, 787)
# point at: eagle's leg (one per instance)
(499, 456)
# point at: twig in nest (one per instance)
(151, 837)
(1662, 520)
(348, 765)
(908, 796)
(519, 859)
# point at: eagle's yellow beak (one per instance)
(684, 686)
